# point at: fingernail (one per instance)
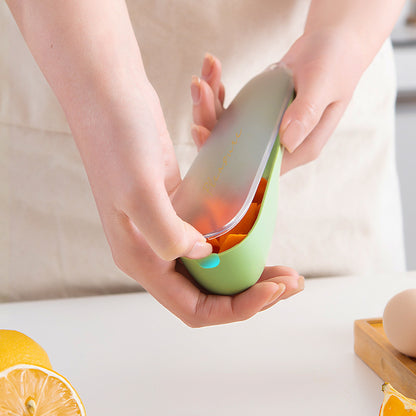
(196, 90)
(276, 295)
(200, 250)
(207, 66)
(293, 135)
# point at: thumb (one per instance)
(168, 235)
(304, 113)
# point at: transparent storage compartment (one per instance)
(219, 186)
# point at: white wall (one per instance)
(406, 165)
(404, 41)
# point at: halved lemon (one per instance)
(29, 390)
(396, 404)
(28, 385)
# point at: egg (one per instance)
(399, 321)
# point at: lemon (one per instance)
(28, 385)
(17, 348)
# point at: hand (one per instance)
(170, 284)
(326, 67)
(133, 174)
(93, 63)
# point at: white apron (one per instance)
(338, 215)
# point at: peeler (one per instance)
(218, 188)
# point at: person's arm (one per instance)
(340, 40)
(371, 21)
(88, 52)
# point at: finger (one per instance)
(214, 310)
(272, 271)
(151, 211)
(196, 309)
(246, 304)
(288, 293)
(200, 135)
(305, 112)
(286, 275)
(312, 146)
(211, 73)
(203, 110)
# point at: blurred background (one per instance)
(404, 43)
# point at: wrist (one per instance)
(368, 23)
(105, 106)
(348, 42)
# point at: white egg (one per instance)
(399, 321)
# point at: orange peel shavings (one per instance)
(215, 245)
(240, 231)
(231, 241)
(258, 197)
(244, 226)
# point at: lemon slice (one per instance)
(29, 390)
(395, 404)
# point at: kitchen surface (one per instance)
(132, 357)
(404, 43)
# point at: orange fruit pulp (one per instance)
(396, 404)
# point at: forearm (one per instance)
(370, 21)
(88, 53)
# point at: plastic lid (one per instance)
(220, 184)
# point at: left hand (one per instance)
(326, 68)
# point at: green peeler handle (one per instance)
(238, 268)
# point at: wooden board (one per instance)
(373, 347)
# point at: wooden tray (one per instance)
(373, 347)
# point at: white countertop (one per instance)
(126, 355)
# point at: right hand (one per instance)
(133, 174)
